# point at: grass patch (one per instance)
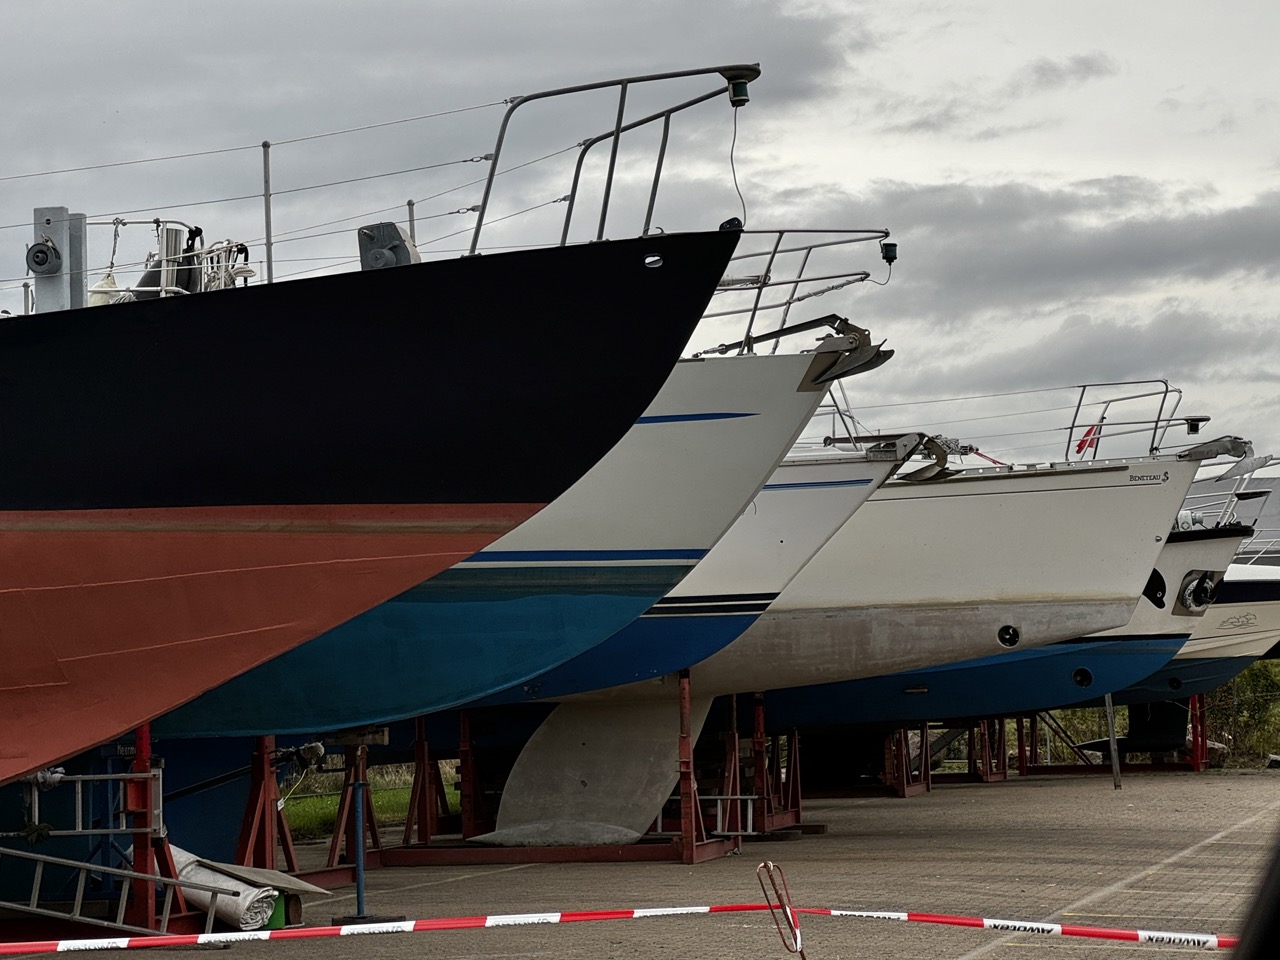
(313, 817)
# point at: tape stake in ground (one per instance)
(780, 897)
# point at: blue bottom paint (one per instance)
(462, 635)
(645, 648)
(1183, 678)
(1015, 682)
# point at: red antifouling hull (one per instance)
(109, 618)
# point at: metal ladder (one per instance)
(140, 796)
(84, 870)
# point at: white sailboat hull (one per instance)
(934, 573)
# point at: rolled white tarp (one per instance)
(249, 911)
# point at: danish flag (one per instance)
(1089, 439)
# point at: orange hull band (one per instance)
(109, 618)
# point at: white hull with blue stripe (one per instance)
(1174, 603)
(578, 571)
(808, 498)
(923, 574)
(968, 567)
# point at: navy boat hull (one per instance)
(1020, 681)
(194, 485)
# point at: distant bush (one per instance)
(1244, 713)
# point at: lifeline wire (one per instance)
(537, 206)
(252, 146)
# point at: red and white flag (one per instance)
(1089, 439)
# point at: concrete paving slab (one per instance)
(1176, 852)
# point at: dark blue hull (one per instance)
(1183, 678)
(651, 646)
(1019, 681)
(507, 623)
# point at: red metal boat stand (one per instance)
(901, 774)
(1199, 754)
(776, 782)
(151, 853)
(692, 844)
(988, 755)
(475, 820)
(1030, 761)
(340, 868)
(265, 826)
(343, 844)
(427, 802)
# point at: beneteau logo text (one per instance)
(1148, 477)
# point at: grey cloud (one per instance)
(1219, 361)
(931, 116)
(966, 112)
(1014, 287)
(1039, 247)
(1010, 130)
(231, 83)
(1046, 74)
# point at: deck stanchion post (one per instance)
(266, 209)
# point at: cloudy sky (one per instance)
(1080, 192)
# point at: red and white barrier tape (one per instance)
(352, 929)
(1210, 941)
(1207, 940)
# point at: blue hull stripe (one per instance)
(691, 417)
(580, 556)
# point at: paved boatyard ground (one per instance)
(1170, 851)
